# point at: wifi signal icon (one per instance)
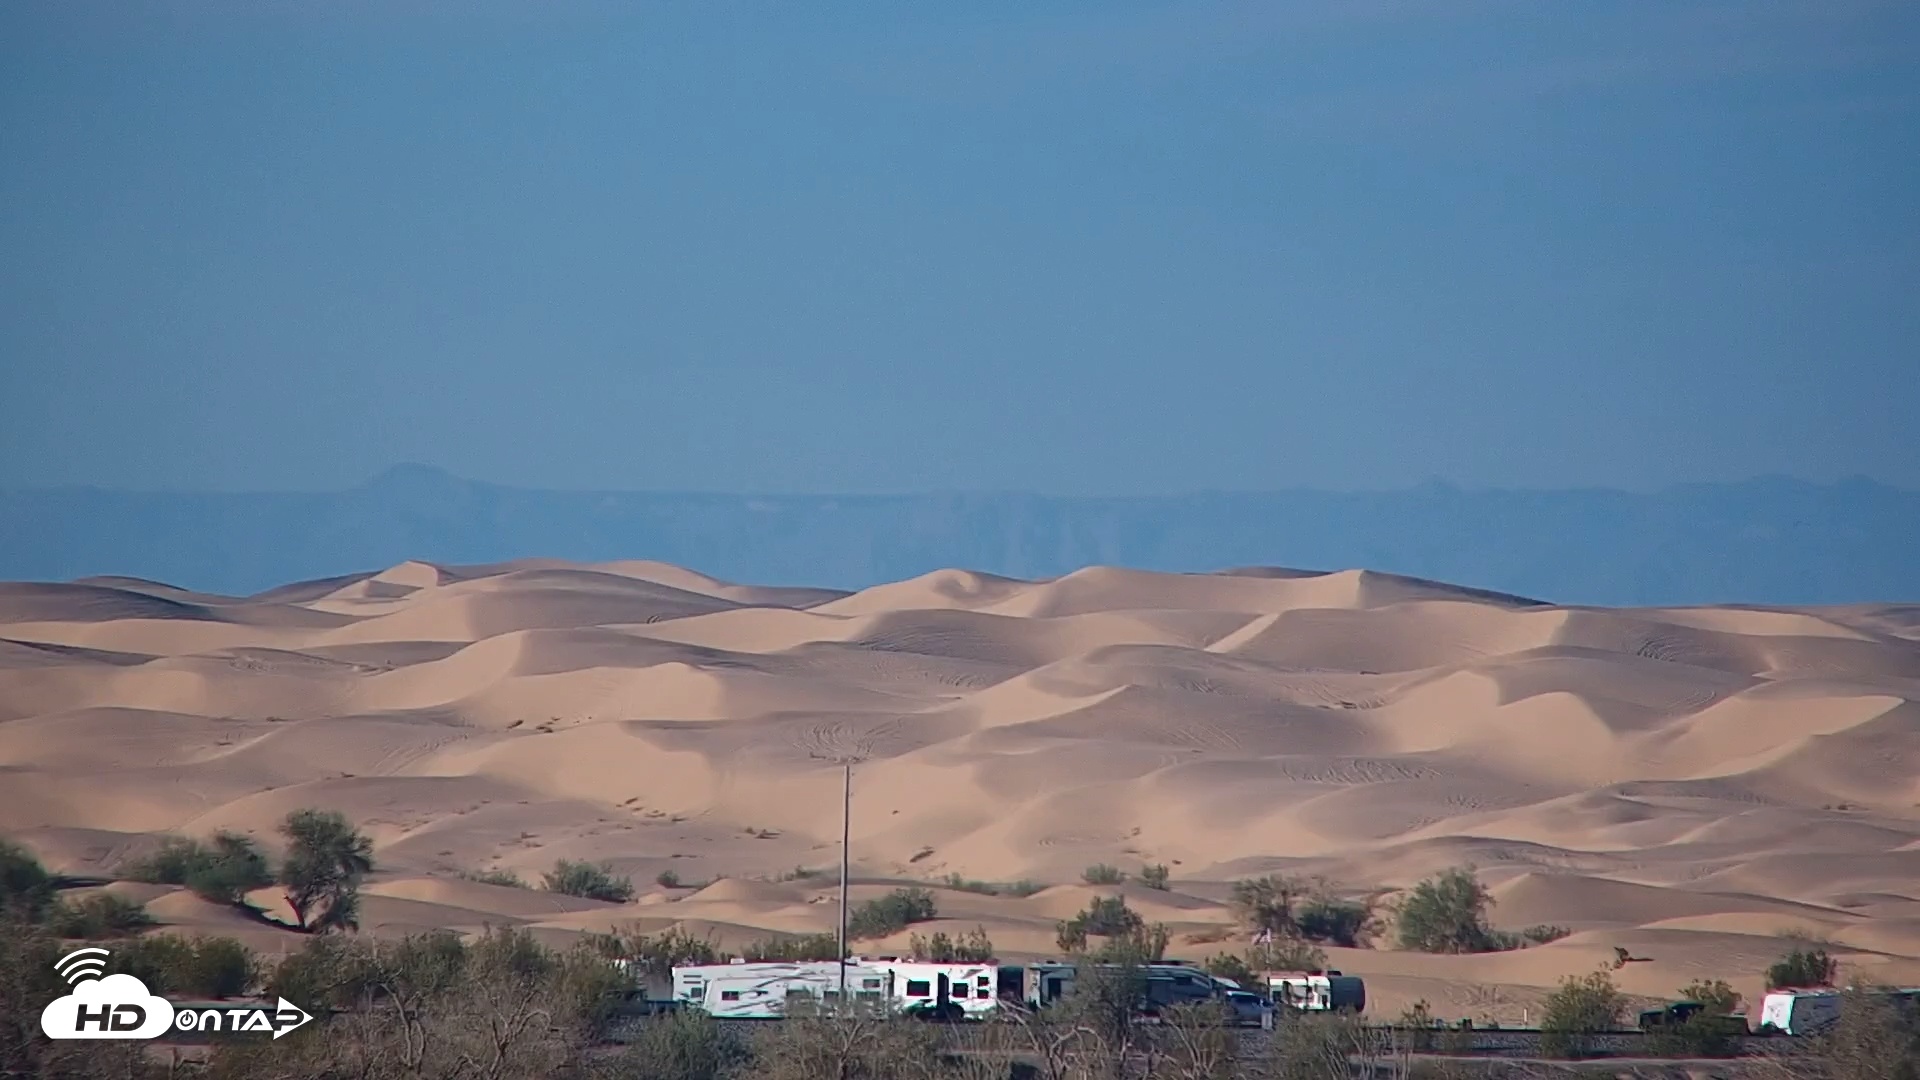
(82, 964)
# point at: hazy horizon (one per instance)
(404, 469)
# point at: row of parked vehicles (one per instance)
(974, 991)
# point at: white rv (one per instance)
(940, 991)
(768, 991)
(1317, 991)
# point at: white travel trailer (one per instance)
(1810, 1012)
(768, 991)
(940, 991)
(1799, 1012)
(1317, 991)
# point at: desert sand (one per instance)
(1688, 784)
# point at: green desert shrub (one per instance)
(891, 914)
(1803, 968)
(1580, 1008)
(26, 889)
(975, 947)
(102, 915)
(590, 881)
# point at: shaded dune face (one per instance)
(1681, 783)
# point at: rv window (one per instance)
(871, 984)
(729, 995)
(919, 988)
(959, 990)
(984, 982)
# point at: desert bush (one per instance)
(102, 915)
(1265, 904)
(1102, 874)
(1156, 876)
(1581, 1007)
(1419, 1027)
(1698, 1036)
(325, 861)
(1543, 934)
(206, 967)
(1875, 1037)
(230, 868)
(1718, 997)
(961, 884)
(1105, 916)
(667, 879)
(504, 878)
(168, 865)
(658, 954)
(1446, 913)
(328, 972)
(1022, 888)
(589, 881)
(1803, 968)
(221, 871)
(433, 1006)
(891, 914)
(1337, 922)
(684, 1045)
(1143, 946)
(974, 948)
(1711, 1032)
(26, 889)
(1282, 955)
(221, 968)
(798, 949)
(1230, 966)
(1195, 1042)
(1338, 1047)
(812, 1047)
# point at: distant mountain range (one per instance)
(1766, 541)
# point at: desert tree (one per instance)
(325, 862)
(1446, 913)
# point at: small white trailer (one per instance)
(1316, 991)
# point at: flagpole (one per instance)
(846, 830)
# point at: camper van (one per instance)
(1316, 991)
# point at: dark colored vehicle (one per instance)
(1681, 1012)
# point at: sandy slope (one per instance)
(1686, 784)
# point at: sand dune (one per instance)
(1685, 783)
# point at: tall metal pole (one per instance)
(846, 829)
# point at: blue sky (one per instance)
(1072, 248)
